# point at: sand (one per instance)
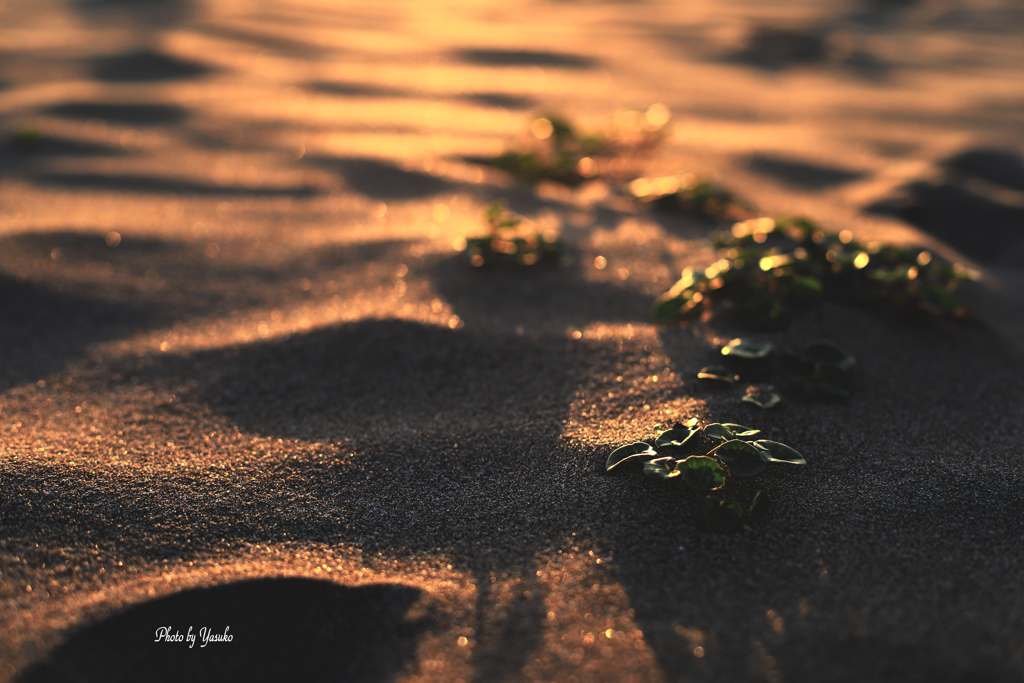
(250, 388)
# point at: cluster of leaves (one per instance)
(698, 196)
(558, 152)
(504, 243)
(820, 370)
(734, 453)
(772, 267)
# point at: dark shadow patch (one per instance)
(879, 13)
(1002, 167)
(318, 383)
(800, 173)
(525, 58)
(506, 649)
(53, 146)
(149, 13)
(819, 657)
(145, 66)
(347, 89)
(281, 629)
(890, 4)
(551, 293)
(970, 209)
(54, 318)
(866, 65)
(134, 114)
(43, 328)
(139, 183)
(17, 159)
(777, 48)
(514, 102)
(993, 19)
(978, 226)
(381, 179)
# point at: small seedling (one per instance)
(505, 242)
(689, 194)
(770, 268)
(820, 370)
(727, 515)
(762, 396)
(718, 374)
(554, 150)
(736, 456)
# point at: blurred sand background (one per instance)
(247, 380)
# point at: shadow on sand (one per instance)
(976, 207)
(44, 328)
(281, 629)
(145, 66)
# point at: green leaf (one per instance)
(742, 459)
(675, 437)
(740, 431)
(740, 348)
(762, 398)
(667, 309)
(657, 469)
(718, 431)
(725, 514)
(718, 374)
(761, 505)
(780, 452)
(634, 452)
(701, 472)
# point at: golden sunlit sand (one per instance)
(248, 382)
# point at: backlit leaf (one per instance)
(739, 431)
(634, 452)
(675, 437)
(657, 469)
(718, 431)
(701, 472)
(780, 452)
(742, 459)
(761, 504)
(742, 348)
(717, 373)
(762, 397)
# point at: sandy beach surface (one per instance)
(249, 389)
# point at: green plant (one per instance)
(820, 370)
(769, 268)
(557, 151)
(505, 244)
(690, 194)
(732, 452)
